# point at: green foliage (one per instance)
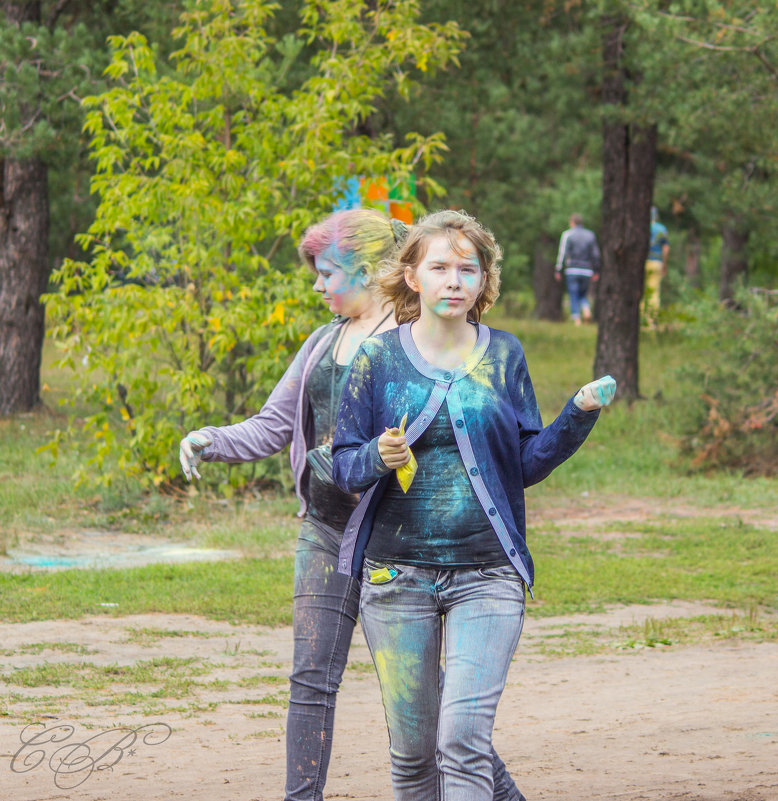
(736, 420)
(40, 79)
(47, 69)
(521, 119)
(190, 306)
(717, 71)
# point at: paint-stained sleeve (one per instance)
(545, 448)
(268, 431)
(356, 462)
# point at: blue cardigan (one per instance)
(495, 419)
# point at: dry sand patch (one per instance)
(675, 724)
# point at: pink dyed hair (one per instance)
(362, 238)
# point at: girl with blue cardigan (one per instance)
(444, 565)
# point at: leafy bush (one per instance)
(191, 302)
(736, 424)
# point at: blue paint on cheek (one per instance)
(343, 284)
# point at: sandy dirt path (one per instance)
(666, 724)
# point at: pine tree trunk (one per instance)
(692, 261)
(629, 164)
(24, 261)
(734, 263)
(547, 290)
(24, 273)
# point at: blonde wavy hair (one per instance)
(390, 280)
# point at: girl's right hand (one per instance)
(393, 449)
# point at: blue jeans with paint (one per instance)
(325, 611)
(577, 287)
(440, 742)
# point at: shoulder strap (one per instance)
(427, 415)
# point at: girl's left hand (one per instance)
(595, 394)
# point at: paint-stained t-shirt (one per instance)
(327, 502)
(439, 521)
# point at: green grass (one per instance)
(633, 449)
(724, 562)
(248, 591)
(174, 675)
(586, 641)
(40, 647)
(145, 687)
(148, 636)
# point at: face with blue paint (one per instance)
(344, 292)
(448, 279)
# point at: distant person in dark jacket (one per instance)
(579, 257)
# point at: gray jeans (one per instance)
(440, 739)
(326, 604)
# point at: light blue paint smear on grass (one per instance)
(132, 557)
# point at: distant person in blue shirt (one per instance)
(444, 561)
(579, 257)
(656, 269)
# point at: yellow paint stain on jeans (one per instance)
(393, 672)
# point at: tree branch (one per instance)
(709, 46)
(771, 68)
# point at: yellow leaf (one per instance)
(278, 314)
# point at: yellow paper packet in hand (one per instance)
(405, 473)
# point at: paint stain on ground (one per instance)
(102, 549)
